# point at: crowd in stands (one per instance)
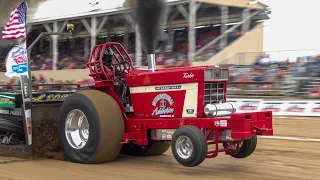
(265, 69)
(72, 56)
(286, 72)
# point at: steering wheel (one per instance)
(121, 68)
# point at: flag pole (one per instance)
(26, 89)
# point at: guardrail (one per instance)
(278, 107)
(40, 87)
(248, 89)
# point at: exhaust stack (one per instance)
(152, 66)
(151, 14)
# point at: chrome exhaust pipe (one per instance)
(219, 110)
(152, 66)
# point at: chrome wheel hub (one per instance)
(184, 147)
(77, 129)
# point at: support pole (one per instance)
(192, 32)
(55, 46)
(93, 31)
(246, 26)
(86, 47)
(224, 20)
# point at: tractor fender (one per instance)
(111, 93)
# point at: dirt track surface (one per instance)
(273, 159)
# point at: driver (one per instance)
(107, 58)
(107, 61)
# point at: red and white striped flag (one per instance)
(16, 27)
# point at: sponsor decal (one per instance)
(50, 97)
(249, 105)
(316, 107)
(167, 87)
(296, 107)
(87, 85)
(6, 100)
(164, 134)
(167, 133)
(20, 60)
(163, 103)
(190, 111)
(275, 107)
(28, 123)
(221, 123)
(188, 75)
(11, 112)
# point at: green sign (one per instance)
(7, 101)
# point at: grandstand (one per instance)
(197, 33)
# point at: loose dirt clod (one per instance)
(45, 132)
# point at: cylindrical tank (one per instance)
(219, 110)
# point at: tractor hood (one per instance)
(138, 77)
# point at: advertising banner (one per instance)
(279, 108)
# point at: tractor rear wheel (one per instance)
(91, 127)
(247, 147)
(152, 149)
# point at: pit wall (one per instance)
(302, 108)
(58, 75)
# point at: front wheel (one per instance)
(189, 146)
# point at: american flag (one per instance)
(16, 27)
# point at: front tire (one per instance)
(95, 135)
(189, 146)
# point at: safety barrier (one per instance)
(279, 108)
(248, 89)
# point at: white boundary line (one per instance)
(290, 138)
(297, 117)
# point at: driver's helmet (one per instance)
(108, 52)
(107, 57)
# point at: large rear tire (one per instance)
(247, 147)
(99, 125)
(152, 149)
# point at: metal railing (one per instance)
(299, 88)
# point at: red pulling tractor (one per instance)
(142, 112)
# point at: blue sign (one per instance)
(20, 64)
